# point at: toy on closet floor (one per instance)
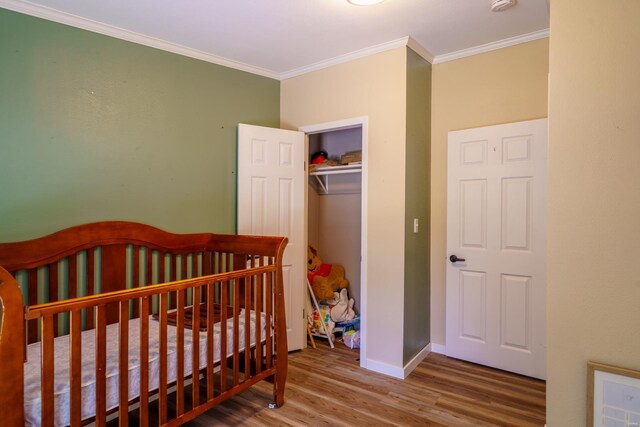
(342, 307)
(335, 316)
(322, 315)
(351, 339)
(336, 311)
(325, 279)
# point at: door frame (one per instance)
(355, 122)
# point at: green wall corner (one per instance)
(417, 205)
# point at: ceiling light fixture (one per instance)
(500, 5)
(364, 2)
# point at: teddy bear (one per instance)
(325, 279)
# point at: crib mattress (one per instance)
(32, 399)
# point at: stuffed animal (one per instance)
(342, 307)
(325, 279)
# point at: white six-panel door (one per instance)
(271, 180)
(496, 222)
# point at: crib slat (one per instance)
(53, 281)
(268, 321)
(195, 272)
(73, 277)
(53, 293)
(144, 361)
(195, 349)
(32, 283)
(123, 365)
(236, 331)
(136, 278)
(184, 272)
(47, 367)
(162, 273)
(247, 327)
(210, 334)
(75, 368)
(224, 302)
(173, 276)
(90, 286)
(258, 311)
(72, 285)
(149, 267)
(101, 363)
(206, 263)
(162, 395)
(180, 297)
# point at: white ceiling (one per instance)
(282, 38)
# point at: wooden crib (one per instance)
(123, 320)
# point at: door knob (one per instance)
(454, 258)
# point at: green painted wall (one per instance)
(94, 128)
(417, 201)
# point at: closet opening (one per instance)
(336, 226)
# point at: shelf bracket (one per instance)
(324, 185)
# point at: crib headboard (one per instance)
(114, 255)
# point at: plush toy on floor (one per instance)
(342, 307)
(325, 279)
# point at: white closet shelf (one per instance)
(337, 170)
(322, 174)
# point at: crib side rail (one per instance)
(59, 307)
(12, 351)
(243, 357)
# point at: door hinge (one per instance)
(304, 166)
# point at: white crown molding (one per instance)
(345, 58)
(404, 41)
(49, 14)
(417, 48)
(536, 35)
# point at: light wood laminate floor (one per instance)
(326, 387)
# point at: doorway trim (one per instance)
(355, 122)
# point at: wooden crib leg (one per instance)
(280, 377)
(278, 388)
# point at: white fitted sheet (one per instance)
(32, 400)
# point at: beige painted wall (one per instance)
(375, 87)
(339, 236)
(593, 295)
(501, 86)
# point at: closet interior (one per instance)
(335, 209)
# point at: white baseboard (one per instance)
(409, 367)
(395, 371)
(438, 348)
(385, 368)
